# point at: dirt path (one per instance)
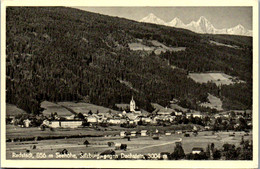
(157, 145)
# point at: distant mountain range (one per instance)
(200, 26)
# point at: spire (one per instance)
(132, 105)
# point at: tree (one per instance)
(178, 153)
(242, 140)
(232, 114)
(247, 151)
(86, 143)
(90, 112)
(212, 146)
(230, 151)
(208, 151)
(80, 116)
(216, 154)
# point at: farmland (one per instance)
(214, 102)
(12, 110)
(136, 145)
(50, 107)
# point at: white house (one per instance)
(168, 133)
(133, 133)
(92, 119)
(178, 113)
(196, 150)
(195, 114)
(65, 124)
(122, 134)
(117, 146)
(143, 132)
(114, 121)
(54, 124)
(71, 124)
(27, 123)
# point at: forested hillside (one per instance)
(65, 54)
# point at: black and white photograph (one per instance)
(140, 83)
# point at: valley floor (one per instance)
(47, 149)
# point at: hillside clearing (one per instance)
(214, 103)
(222, 44)
(50, 107)
(13, 110)
(217, 78)
(155, 46)
(86, 107)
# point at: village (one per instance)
(121, 132)
(131, 116)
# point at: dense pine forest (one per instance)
(65, 54)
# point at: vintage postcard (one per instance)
(138, 84)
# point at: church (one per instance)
(133, 108)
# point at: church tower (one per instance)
(132, 105)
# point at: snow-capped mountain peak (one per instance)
(202, 25)
(176, 22)
(239, 26)
(203, 20)
(151, 18)
(205, 26)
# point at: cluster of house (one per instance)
(132, 116)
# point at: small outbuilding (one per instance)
(143, 132)
(197, 150)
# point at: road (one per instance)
(155, 145)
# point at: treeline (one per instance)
(64, 54)
(227, 152)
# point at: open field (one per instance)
(14, 132)
(13, 110)
(214, 102)
(18, 132)
(222, 44)
(59, 107)
(50, 107)
(139, 46)
(217, 78)
(137, 145)
(155, 46)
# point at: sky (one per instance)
(220, 17)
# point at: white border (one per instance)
(132, 163)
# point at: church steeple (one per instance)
(132, 105)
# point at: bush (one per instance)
(86, 143)
(178, 153)
(216, 154)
